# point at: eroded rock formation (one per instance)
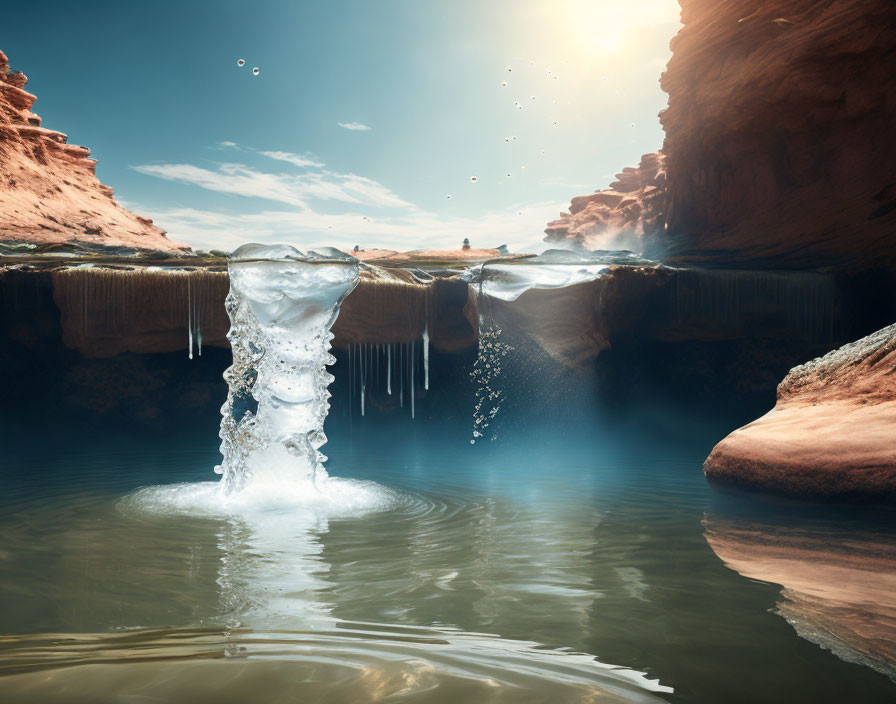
(49, 192)
(781, 133)
(831, 433)
(780, 146)
(619, 217)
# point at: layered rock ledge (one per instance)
(49, 192)
(618, 217)
(831, 433)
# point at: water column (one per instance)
(505, 280)
(282, 304)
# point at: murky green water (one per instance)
(566, 561)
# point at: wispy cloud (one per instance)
(355, 126)
(379, 217)
(293, 189)
(519, 226)
(230, 178)
(303, 161)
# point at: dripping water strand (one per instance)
(426, 357)
(189, 319)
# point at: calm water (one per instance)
(572, 559)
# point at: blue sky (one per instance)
(220, 157)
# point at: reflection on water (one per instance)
(838, 587)
(556, 564)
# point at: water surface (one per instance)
(572, 559)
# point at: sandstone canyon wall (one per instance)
(780, 147)
(781, 133)
(49, 192)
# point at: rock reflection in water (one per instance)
(839, 589)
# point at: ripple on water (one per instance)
(350, 661)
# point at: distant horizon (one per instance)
(387, 127)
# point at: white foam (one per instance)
(328, 497)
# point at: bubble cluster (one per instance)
(485, 374)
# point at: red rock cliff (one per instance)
(780, 146)
(620, 216)
(781, 133)
(48, 190)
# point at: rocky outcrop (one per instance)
(49, 192)
(619, 217)
(781, 134)
(830, 434)
(780, 146)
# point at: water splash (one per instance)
(507, 281)
(282, 305)
(486, 373)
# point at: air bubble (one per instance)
(474, 179)
(533, 97)
(503, 84)
(448, 197)
(508, 174)
(241, 62)
(256, 71)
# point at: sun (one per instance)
(607, 27)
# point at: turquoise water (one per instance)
(574, 558)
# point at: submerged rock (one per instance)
(49, 192)
(830, 434)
